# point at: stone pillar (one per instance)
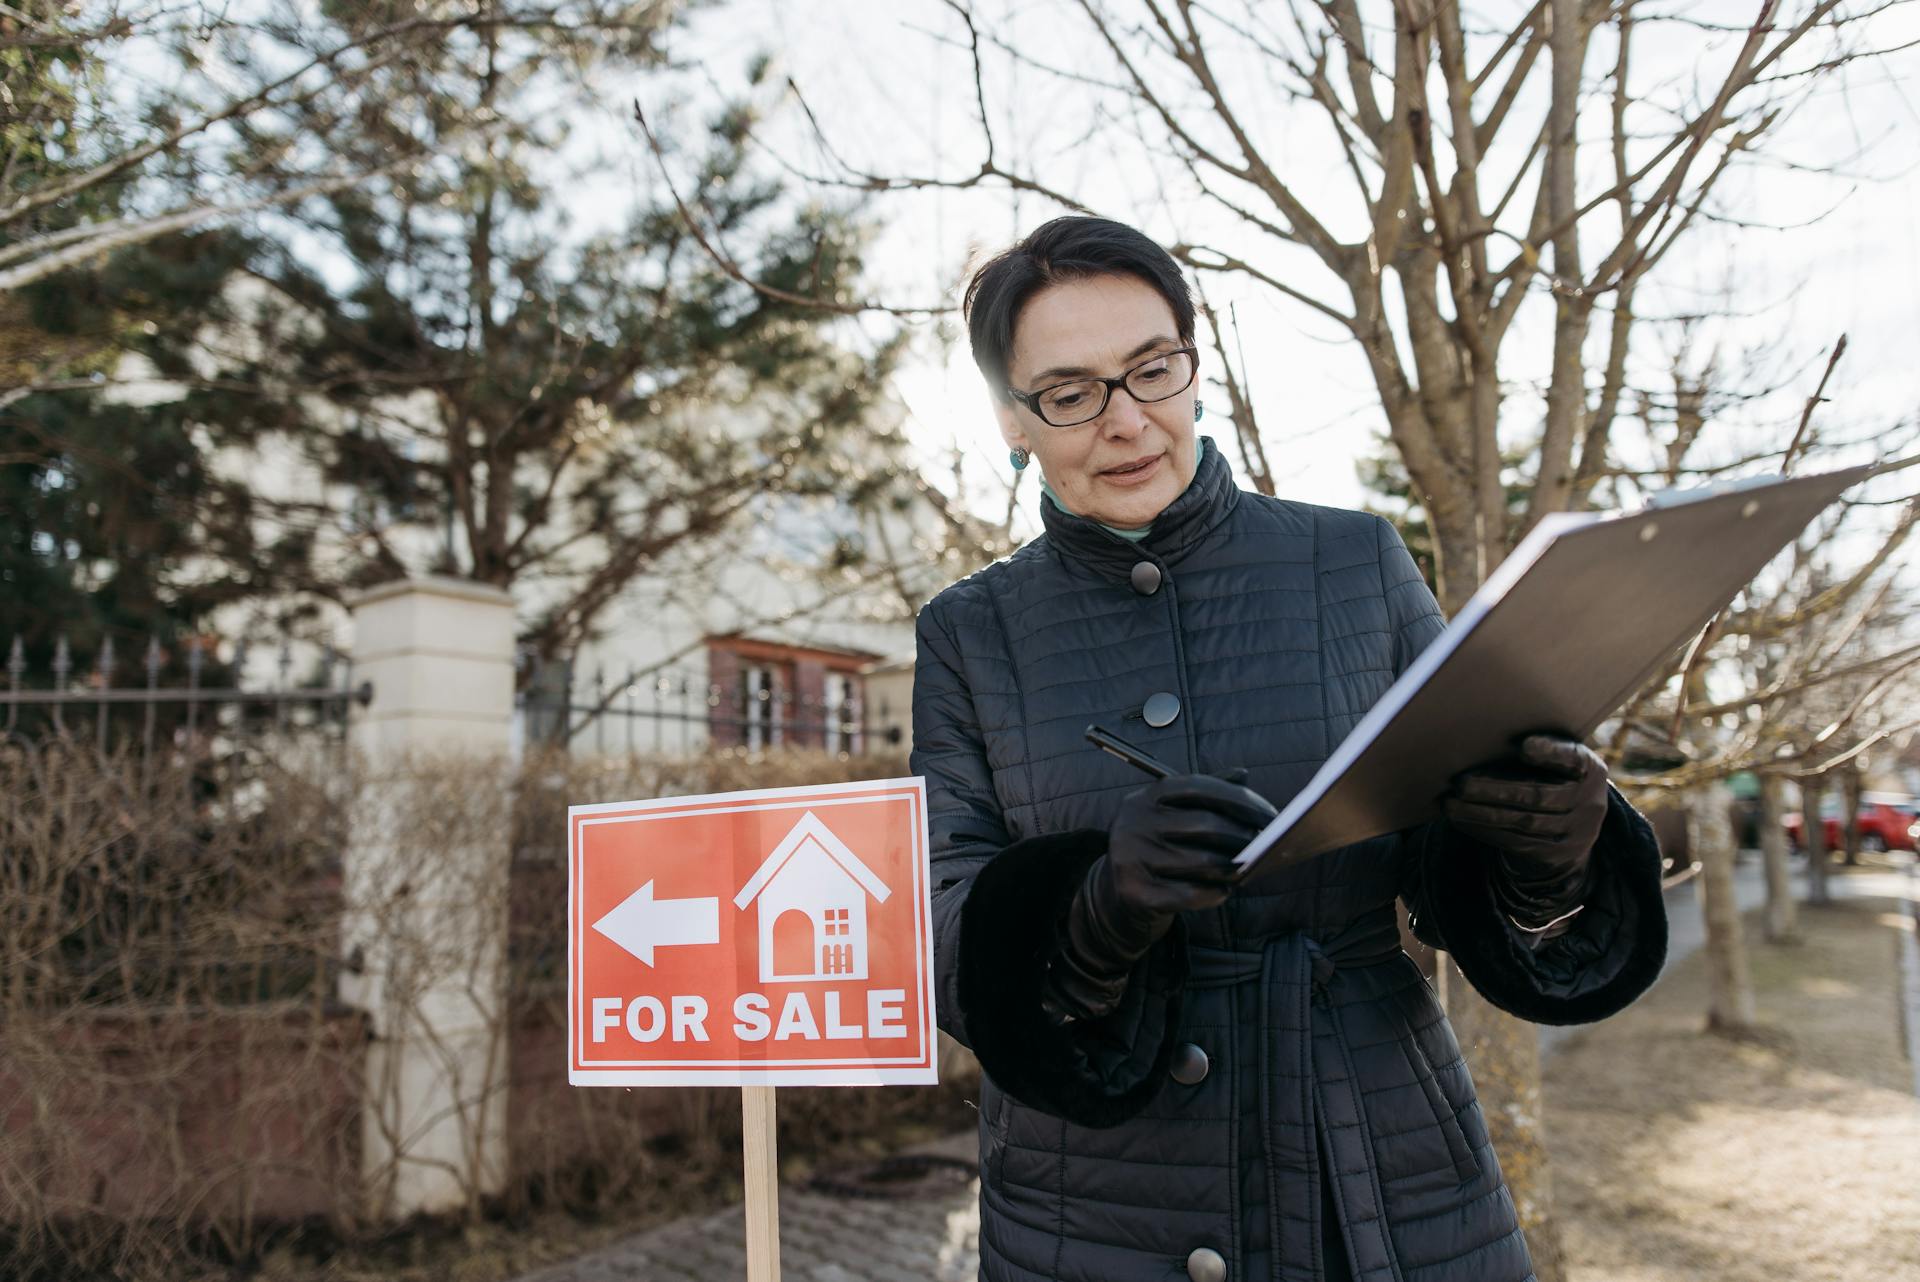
(425, 880)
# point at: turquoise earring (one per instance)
(1198, 410)
(1019, 459)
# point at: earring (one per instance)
(1019, 459)
(1198, 410)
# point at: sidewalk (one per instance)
(836, 1239)
(1789, 1153)
(1687, 929)
(822, 1239)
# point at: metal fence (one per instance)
(678, 708)
(205, 711)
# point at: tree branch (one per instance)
(732, 268)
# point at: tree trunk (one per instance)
(1502, 1052)
(1458, 560)
(1813, 830)
(1782, 923)
(1730, 1003)
(1851, 785)
(1504, 1056)
(1573, 308)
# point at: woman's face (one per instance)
(1125, 466)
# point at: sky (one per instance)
(891, 85)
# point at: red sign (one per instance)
(780, 937)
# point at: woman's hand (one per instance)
(1170, 850)
(1171, 847)
(1542, 815)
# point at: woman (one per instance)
(1185, 1078)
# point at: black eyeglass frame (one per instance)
(1032, 399)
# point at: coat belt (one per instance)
(1306, 1070)
(1366, 941)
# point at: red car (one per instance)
(1887, 822)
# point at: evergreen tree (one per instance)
(99, 498)
(452, 366)
(490, 387)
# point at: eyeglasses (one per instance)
(1085, 399)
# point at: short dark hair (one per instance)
(1074, 247)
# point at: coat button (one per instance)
(1204, 1264)
(1189, 1065)
(1146, 578)
(1161, 709)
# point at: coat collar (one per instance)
(1178, 528)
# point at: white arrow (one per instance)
(642, 923)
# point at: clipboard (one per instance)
(1618, 595)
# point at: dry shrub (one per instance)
(174, 1072)
(182, 1087)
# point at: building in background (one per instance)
(746, 644)
(763, 635)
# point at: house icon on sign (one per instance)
(812, 892)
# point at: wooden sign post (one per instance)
(760, 1154)
(777, 937)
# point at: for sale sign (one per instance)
(779, 937)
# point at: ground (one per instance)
(1789, 1156)
(1792, 1155)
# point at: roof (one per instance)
(810, 827)
(764, 639)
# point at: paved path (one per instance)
(835, 1239)
(822, 1239)
(1687, 930)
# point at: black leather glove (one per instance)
(1169, 850)
(1541, 813)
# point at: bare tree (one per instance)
(1469, 201)
(1813, 792)
(1731, 1008)
(1782, 916)
(1462, 143)
(1777, 679)
(1852, 783)
(1809, 675)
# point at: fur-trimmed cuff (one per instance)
(1611, 953)
(1096, 1072)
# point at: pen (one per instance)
(1107, 741)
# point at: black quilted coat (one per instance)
(1282, 1040)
